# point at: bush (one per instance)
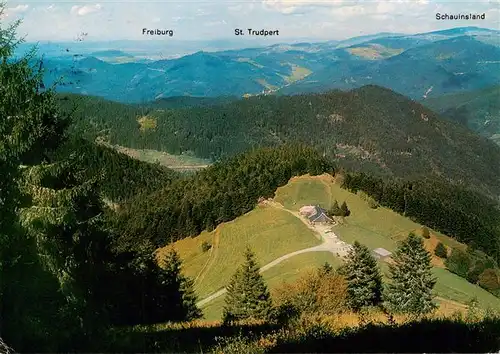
(490, 279)
(315, 291)
(372, 203)
(441, 250)
(458, 262)
(426, 233)
(205, 246)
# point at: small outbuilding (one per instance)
(381, 253)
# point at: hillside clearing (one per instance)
(184, 162)
(287, 271)
(380, 227)
(270, 233)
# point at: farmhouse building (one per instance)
(381, 253)
(315, 214)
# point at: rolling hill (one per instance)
(450, 65)
(442, 62)
(370, 129)
(479, 110)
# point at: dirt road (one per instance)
(331, 243)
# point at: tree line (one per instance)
(453, 210)
(356, 285)
(219, 193)
(372, 130)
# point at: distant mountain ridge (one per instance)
(454, 60)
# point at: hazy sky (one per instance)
(217, 19)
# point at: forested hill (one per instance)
(371, 129)
(479, 110)
(120, 176)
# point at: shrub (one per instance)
(490, 279)
(372, 203)
(313, 292)
(425, 232)
(458, 262)
(205, 246)
(441, 250)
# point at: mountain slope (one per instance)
(451, 65)
(370, 129)
(441, 62)
(273, 231)
(478, 110)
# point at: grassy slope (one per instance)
(270, 232)
(380, 228)
(175, 162)
(287, 271)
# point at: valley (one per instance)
(249, 196)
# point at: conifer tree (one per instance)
(181, 286)
(29, 127)
(335, 209)
(247, 294)
(344, 210)
(364, 281)
(412, 282)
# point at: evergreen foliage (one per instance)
(344, 210)
(30, 125)
(123, 176)
(214, 195)
(335, 209)
(412, 282)
(364, 281)
(247, 294)
(441, 251)
(451, 209)
(63, 278)
(371, 118)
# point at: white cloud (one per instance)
(294, 6)
(384, 7)
(345, 12)
(216, 23)
(18, 9)
(85, 9)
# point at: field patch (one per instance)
(287, 271)
(381, 227)
(183, 162)
(147, 123)
(374, 52)
(270, 233)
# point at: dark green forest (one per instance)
(370, 129)
(217, 194)
(78, 276)
(122, 177)
(469, 217)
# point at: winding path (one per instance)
(331, 243)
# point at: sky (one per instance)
(58, 20)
